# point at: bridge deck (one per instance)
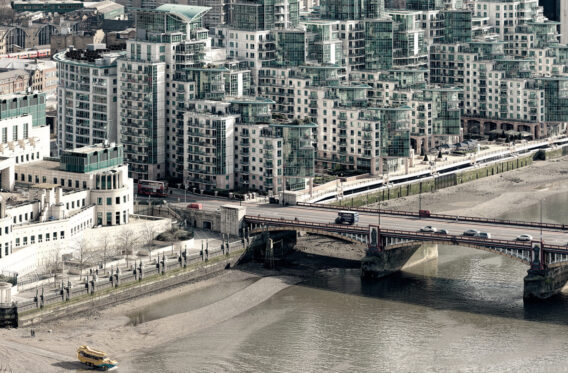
(404, 234)
(456, 218)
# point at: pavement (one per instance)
(212, 239)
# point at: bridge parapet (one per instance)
(429, 215)
(521, 250)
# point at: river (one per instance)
(462, 312)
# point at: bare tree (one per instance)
(148, 235)
(54, 261)
(107, 250)
(86, 253)
(127, 242)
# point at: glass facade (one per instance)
(290, 47)
(555, 98)
(394, 132)
(19, 104)
(298, 152)
(89, 159)
(457, 26)
(378, 44)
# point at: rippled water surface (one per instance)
(463, 312)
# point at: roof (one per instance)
(12, 74)
(104, 6)
(190, 12)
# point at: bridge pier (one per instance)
(543, 284)
(397, 257)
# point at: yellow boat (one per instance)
(94, 358)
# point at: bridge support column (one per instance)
(383, 263)
(545, 283)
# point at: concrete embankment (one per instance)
(128, 291)
(452, 179)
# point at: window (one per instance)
(40, 238)
(46, 237)
(109, 201)
(99, 201)
(61, 234)
(117, 200)
(54, 236)
(109, 218)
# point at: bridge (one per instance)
(392, 235)
(548, 262)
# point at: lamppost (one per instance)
(541, 222)
(420, 200)
(379, 213)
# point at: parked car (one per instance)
(524, 237)
(428, 228)
(443, 231)
(483, 235)
(471, 232)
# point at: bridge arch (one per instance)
(15, 39)
(517, 255)
(44, 33)
(320, 232)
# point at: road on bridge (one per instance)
(501, 232)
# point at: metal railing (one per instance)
(456, 218)
(410, 235)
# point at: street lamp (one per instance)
(541, 221)
(379, 217)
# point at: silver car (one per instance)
(471, 232)
(524, 237)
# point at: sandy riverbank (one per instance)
(110, 331)
(495, 195)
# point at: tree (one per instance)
(148, 234)
(107, 250)
(54, 261)
(86, 253)
(127, 242)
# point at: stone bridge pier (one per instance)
(397, 257)
(543, 284)
(547, 275)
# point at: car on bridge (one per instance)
(443, 231)
(471, 232)
(483, 235)
(429, 229)
(524, 237)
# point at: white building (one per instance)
(51, 204)
(86, 97)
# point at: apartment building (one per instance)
(87, 96)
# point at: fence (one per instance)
(438, 216)
(128, 276)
